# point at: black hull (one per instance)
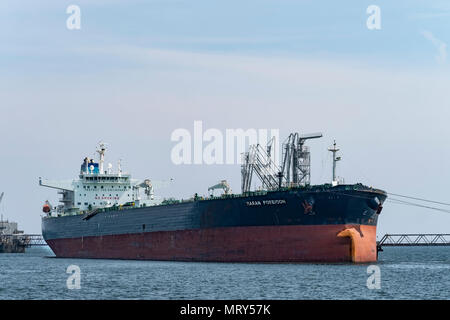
(343, 204)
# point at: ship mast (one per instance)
(1, 198)
(101, 151)
(119, 167)
(334, 149)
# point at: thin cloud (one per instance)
(441, 46)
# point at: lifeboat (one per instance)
(46, 207)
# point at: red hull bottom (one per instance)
(323, 243)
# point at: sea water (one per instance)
(402, 273)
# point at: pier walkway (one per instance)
(26, 240)
(413, 239)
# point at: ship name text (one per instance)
(265, 202)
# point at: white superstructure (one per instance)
(99, 188)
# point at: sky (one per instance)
(138, 70)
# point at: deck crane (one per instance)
(295, 166)
(221, 185)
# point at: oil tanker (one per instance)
(109, 215)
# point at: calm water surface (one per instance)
(406, 273)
